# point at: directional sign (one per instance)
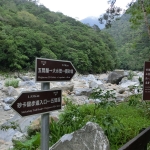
(146, 83)
(31, 103)
(53, 70)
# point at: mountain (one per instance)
(91, 21)
(29, 30)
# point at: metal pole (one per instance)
(45, 123)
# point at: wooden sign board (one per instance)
(53, 70)
(146, 82)
(31, 103)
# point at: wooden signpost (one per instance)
(31, 103)
(46, 100)
(146, 82)
(54, 70)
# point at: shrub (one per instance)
(130, 75)
(12, 82)
(106, 99)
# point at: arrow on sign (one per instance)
(31, 103)
(53, 70)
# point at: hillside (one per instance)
(29, 30)
(132, 43)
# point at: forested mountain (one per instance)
(132, 43)
(29, 30)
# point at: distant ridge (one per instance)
(91, 21)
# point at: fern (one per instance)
(30, 144)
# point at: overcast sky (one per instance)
(81, 9)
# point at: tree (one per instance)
(112, 13)
(139, 13)
(46, 53)
(139, 10)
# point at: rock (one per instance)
(120, 99)
(33, 89)
(79, 100)
(6, 107)
(89, 101)
(5, 145)
(63, 102)
(129, 83)
(68, 87)
(89, 137)
(114, 78)
(111, 87)
(123, 80)
(64, 87)
(82, 91)
(2, 142)
(97, 101)
(9, 100)
(103, 77)
(121, 91)
(25, 78)
(23, 122)
(86, 78)
(1, 86)
(27, 83)
(7, 135)
(35, 126)
(96, 84)
(80, 84)
(18, 136)
(120, 72)
(23, 126)
(10, 91)
(64, 93)
(135, 79)
(91, 77)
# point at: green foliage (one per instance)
(106, 98)
(132, 44)
(137, 14)
(112, 127)
(145, 106)
(12, 82)
(134, 100)
(46, 53)
(140, 80)
(130, 75)
(131, 33)
(31, 144)
(119, 123)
